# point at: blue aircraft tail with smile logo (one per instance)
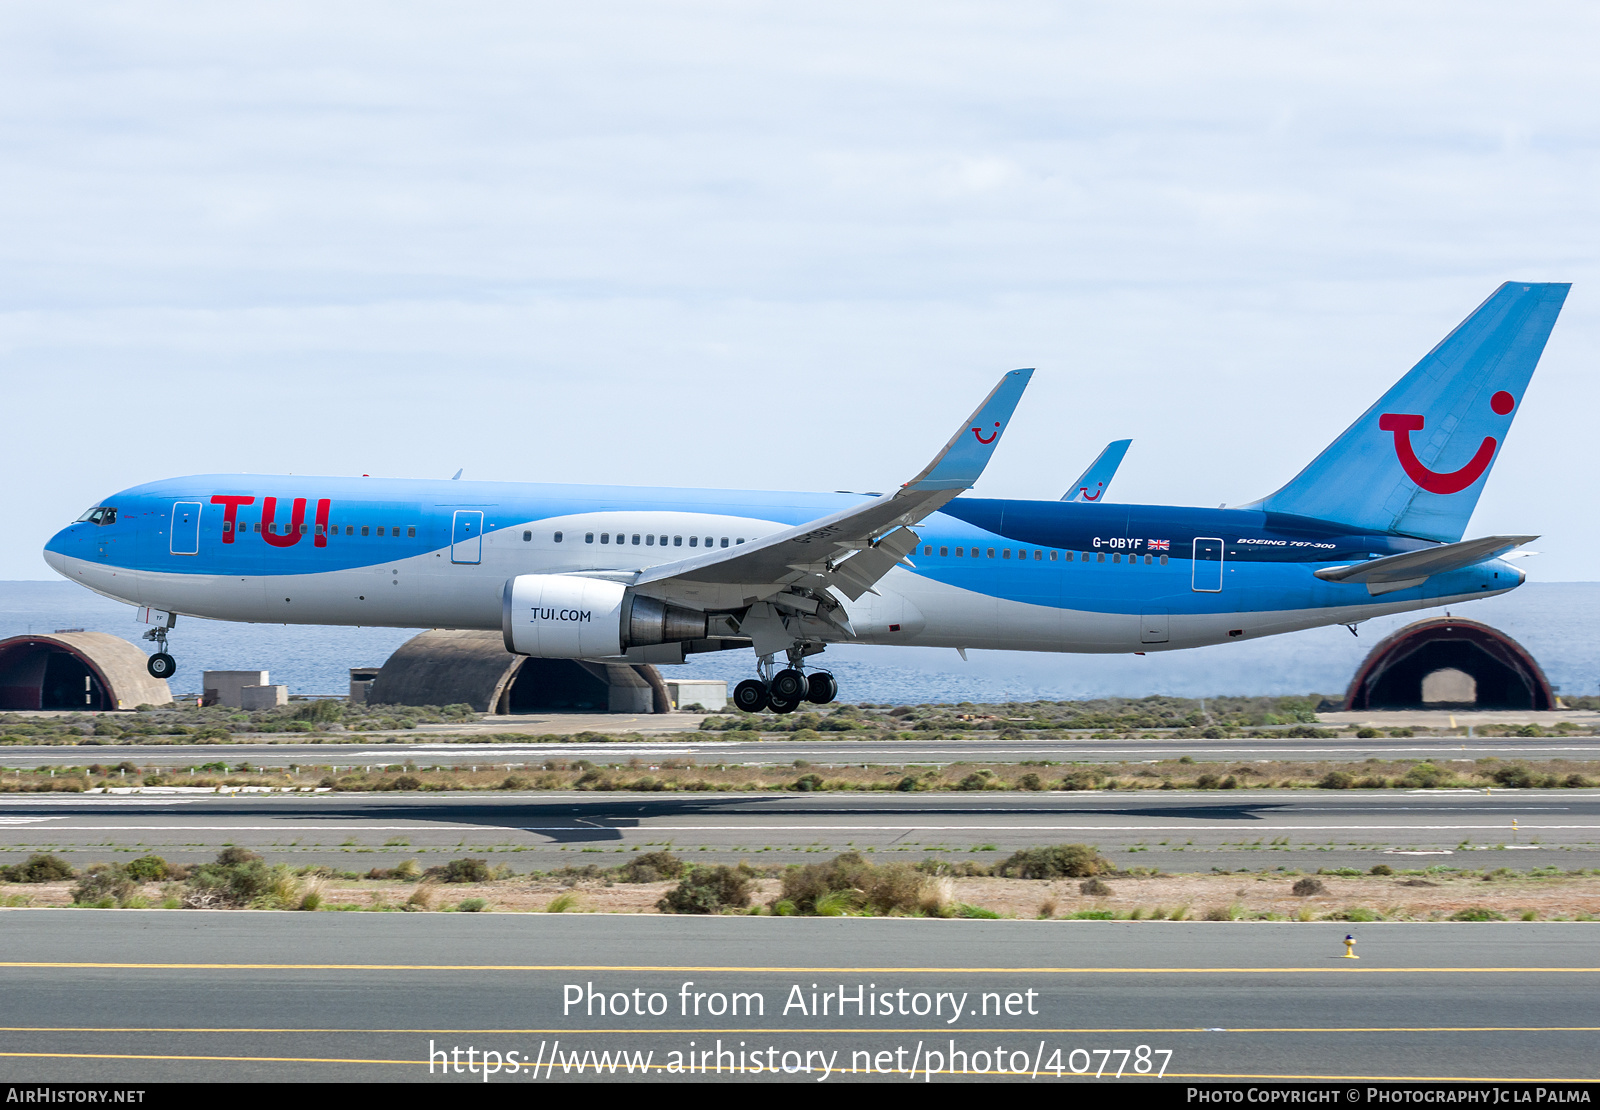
(1415, 462)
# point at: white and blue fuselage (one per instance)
(1018, 575)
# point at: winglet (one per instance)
(1092, 484)
(958, 466)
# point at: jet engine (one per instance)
(565, 616)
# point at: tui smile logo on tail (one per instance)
(1403, 424)
(978, 432)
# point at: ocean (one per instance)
(1553, 620)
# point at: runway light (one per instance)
(1349, 947)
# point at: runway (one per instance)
(780, 751)
(135, 996)
(1172, 830)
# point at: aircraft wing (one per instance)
(1396, 572)
(847, 551)
(1093, 483)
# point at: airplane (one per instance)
(1372, 526)
(1092, 484)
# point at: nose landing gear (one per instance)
(161, 664)
(784, 691)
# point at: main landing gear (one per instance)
(784, 691)
(161, 664)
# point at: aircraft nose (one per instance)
(55, 552)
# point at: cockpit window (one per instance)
(100, 514)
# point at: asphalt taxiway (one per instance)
(1173, 830)
(143, 996)
(765, 753)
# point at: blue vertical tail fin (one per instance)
(1415, 462)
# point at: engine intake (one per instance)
(565, 616)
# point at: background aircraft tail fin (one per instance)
(1415, 462)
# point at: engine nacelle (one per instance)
(565, 616)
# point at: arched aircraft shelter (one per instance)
(1448, 661)
(449, 667)
(76, 670)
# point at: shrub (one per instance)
(1516, 776)
(1424, 776)
(710, 890)
(319, 711)
(812, 781)
(1477, 913)
(1306, 887)
(651, 867)
(104, 886)
(894, 888)
(466, 870)
(38, 868)
(240, 878)
(1094, 887)
(909, 783)
(1336, 780)
(977, 780)
(1030, 781)
(149, 869)
(803, 886)
(1062, 861)
(472, 905)
(1382, 869)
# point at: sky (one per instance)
(753, 245)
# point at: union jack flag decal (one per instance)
(1160, 545)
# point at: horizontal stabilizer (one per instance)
(1416, 566)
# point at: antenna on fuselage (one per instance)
(456, 475)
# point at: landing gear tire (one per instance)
(790, 685)
(162, 665)
(821, 687)
(782, 705)
(750, 696)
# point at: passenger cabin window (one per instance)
(959, 551)
(605, 537)
(527, 535)
(1005, 553)
(677, 541)
(365, 527)
(944, 551)
(588, 537)
(694, 541)
(649, 541)
(558, 537)
(636, 539)
(724, 541)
